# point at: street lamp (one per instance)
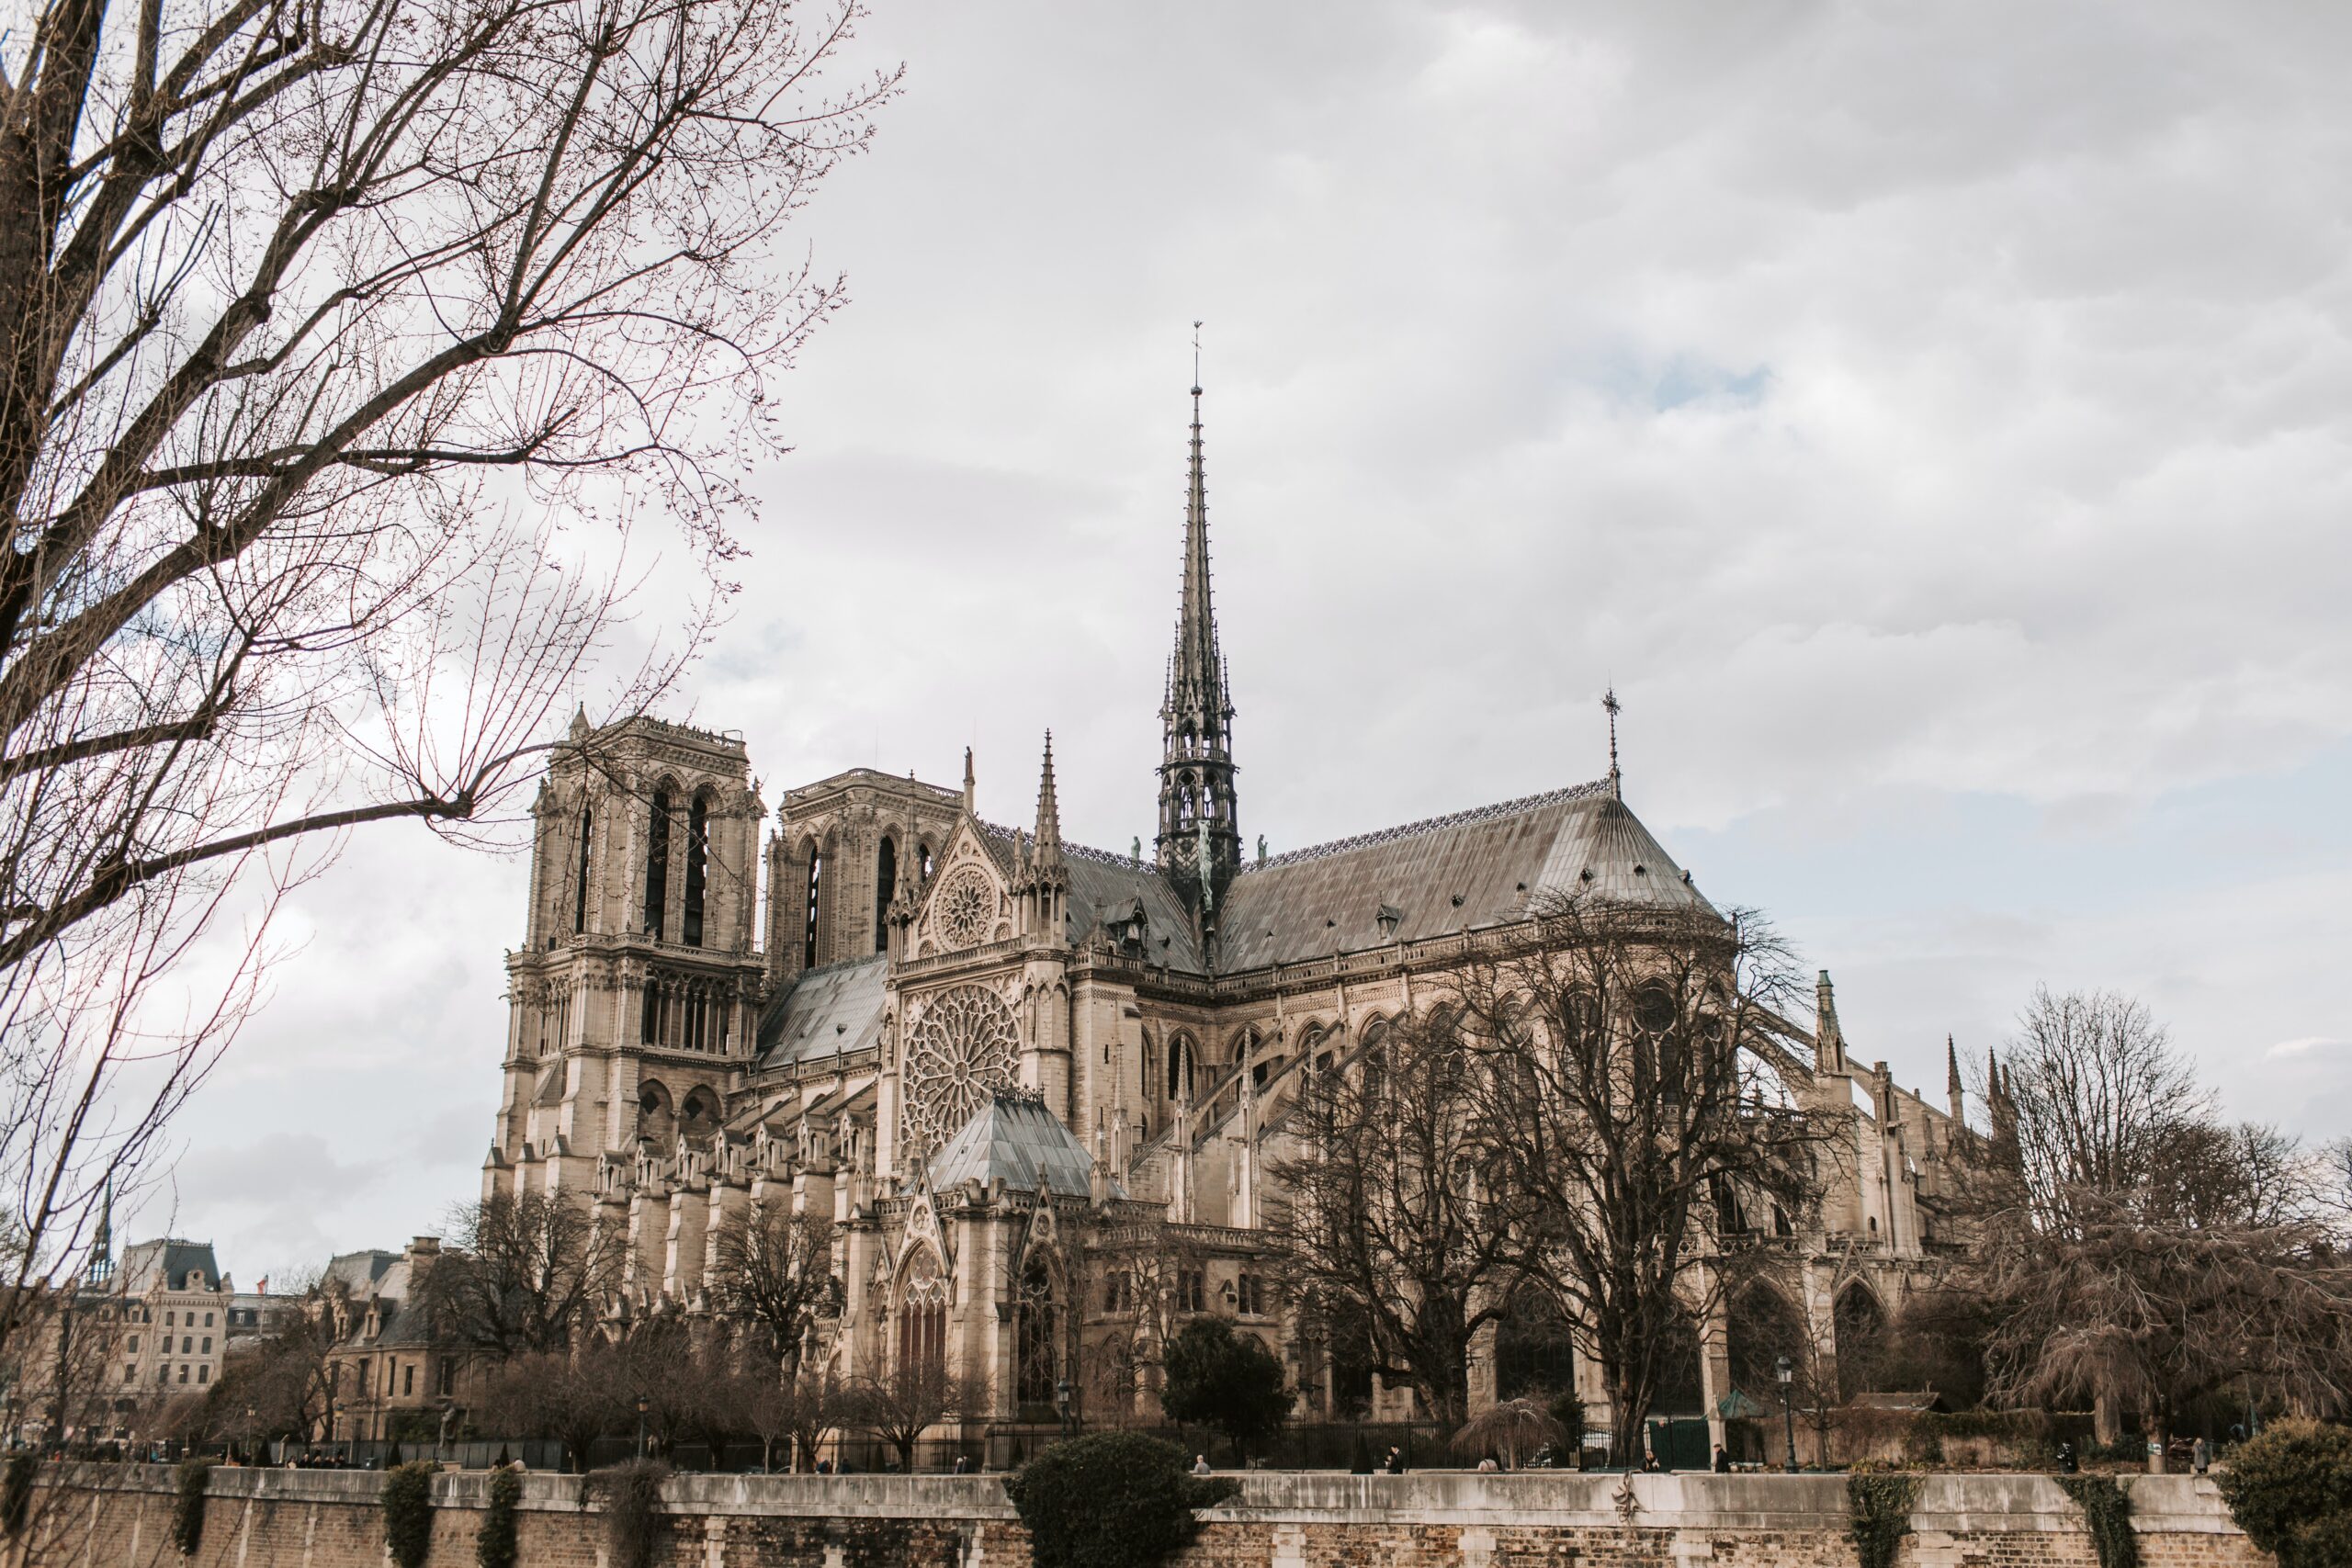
(1783, 1372)
(249, 1418)
(1062, 1407)
(643, 1405)
(441, 1446)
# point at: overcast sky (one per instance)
(1934, 421)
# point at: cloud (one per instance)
(2309, 1045)
(1937, 424)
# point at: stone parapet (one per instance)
(319, 1518)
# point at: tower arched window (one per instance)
(926, 863)
(657, 864)
(886, 878)
(697, 868)
(579, 890)
(808, 927)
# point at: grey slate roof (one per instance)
(1016, 1137)
(1105, 888)
(168, 1261)
(1449, 874)
(827, 1011)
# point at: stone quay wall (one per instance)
(120, 1517)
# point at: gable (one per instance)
(969, 901)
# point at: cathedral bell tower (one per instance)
(1199, 841)
(632, 999)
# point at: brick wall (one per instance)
(120, 1517)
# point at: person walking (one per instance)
(1200, 1464)
(1723, 1460)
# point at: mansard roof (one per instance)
(1451, 874)
(1014, 1137)
(826, 1013)
(167, 1262)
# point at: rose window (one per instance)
(966, 906)
(960, 1050)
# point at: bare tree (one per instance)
(775, 1269)
(1401, 1212)
(575, 1397)
(819, 1406)
(524, 1274)
(1127, 1285)
(305, 307)
(2140, 1252)
(1637, 1060)
(902, 1404)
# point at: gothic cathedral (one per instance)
(1033, 1083)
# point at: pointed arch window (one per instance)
(885, 879)
(657, 864)
(809, 926)
(580, 889)
(697, 868)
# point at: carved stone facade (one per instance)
(1037, 1084)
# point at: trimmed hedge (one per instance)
(1878, 1506)
(2290, 1491)
(187, 1508)
(1112, 1500)
(495, 1545)
(408, 1513)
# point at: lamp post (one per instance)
(643, 1405)
(1062, 1407)
(1785, 1374)
(251, 1417)
(334, 1408)
(441, 1444)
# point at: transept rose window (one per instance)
(960, 1050)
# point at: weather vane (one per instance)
(1196, 359)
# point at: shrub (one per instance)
(408, 1513)
(495, 1547)
(1878, 1506)
(632, 1498)
(187, 1508)
(2290, 1491)
(2107, 1508)
(1111, 1500)
(16, 1493)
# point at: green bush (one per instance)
(632, 1498)
(17, 1492)
(187, 1508)
(408, 1513)
(495, 1545)
(2107, 1508)
(1878, 1508)
(2290, 1491)
(1111, 1500)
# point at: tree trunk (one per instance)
(2107, 1423)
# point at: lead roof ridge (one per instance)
(1593, 789)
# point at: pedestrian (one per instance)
(963, 1464)
(1723, 1460)
(1487, 1466)
(1395, 1465)
(2201, 1455)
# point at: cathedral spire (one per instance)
(1199, 841)
(1610, 705)
(1050, 810)
(1953, 1089)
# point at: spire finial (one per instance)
(1610, 704)
(967, 778)
(1050, 810)
(1196, 371)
